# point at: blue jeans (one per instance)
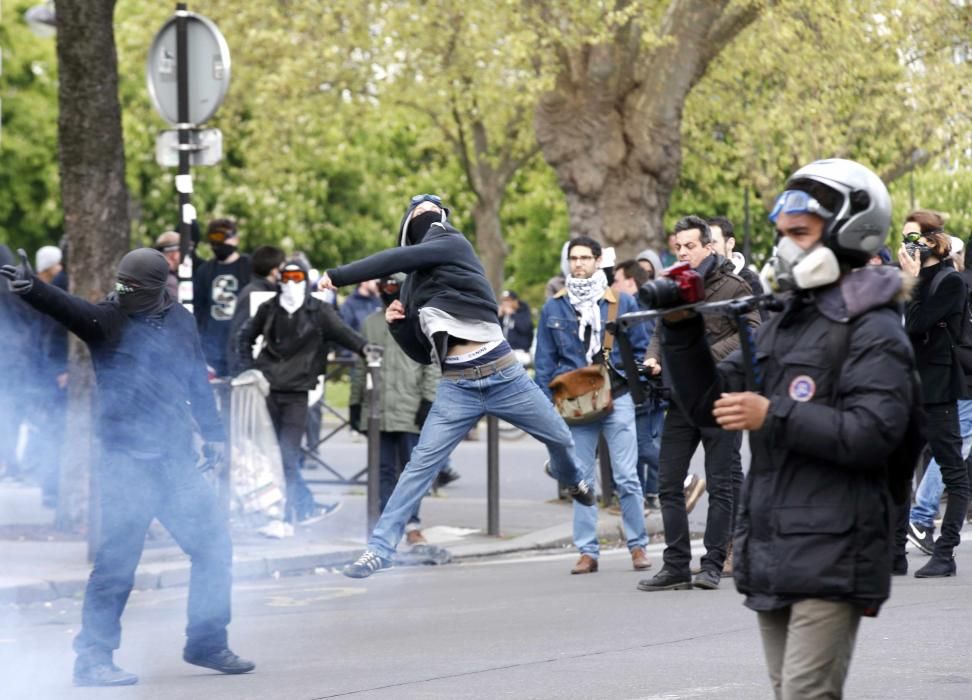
(649, 418)
(930, 490)
(622, 441)
(508, 394)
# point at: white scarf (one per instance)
(583, 295)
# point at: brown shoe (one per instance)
(414, 537)
(585, 565)
(727, 567)
(639, 559)
(694, 488)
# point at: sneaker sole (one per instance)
(684, 586)
(705, 586)
(919, 546)
(918, 574)
(79, 683)
(321, 516)
(221, 669)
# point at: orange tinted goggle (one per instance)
(390, 286)
(292, 276)
(218, 236)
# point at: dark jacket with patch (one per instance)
(150, 372)
(443, 273)
(933, 322)
(295, 345)
(815, 513)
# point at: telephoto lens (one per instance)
(660, 293)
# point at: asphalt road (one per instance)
(517, 628)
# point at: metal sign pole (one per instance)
(183, 179)
(492, 476)
(373, 389)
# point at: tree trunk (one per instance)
(489, 239)
(95, 202)
(611, 126)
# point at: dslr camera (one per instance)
(679, 285)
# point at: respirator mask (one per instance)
(792, 267)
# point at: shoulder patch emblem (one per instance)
(802, 388)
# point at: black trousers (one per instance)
(288, 411)
(395, 453)
(680, 439)
(133, 492)
(945, 441)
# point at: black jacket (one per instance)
(815, 513)
(443, 272)
(931, 322)
(518, 328)
(150, 372)
(295, 346)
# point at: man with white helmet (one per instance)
(813, 537)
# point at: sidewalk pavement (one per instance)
(39, 565)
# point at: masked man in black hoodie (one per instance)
(447, 315)
(152, 389)
(297, 330)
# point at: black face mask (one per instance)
(924, 252)
(223, 250)
(419, 225)
(140, 289)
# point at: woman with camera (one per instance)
(933, 320)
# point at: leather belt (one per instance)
(481, 371)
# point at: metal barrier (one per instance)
(336, 368)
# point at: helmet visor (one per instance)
(798, 202)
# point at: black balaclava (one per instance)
(419, 225)
(388, 297)
(140, 289)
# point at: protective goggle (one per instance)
(293, 276)
(390, 286)
(798, 202)
(434, 198)
(219, 236)
(912, 237)
(121, 288)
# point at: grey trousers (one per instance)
(808, 648)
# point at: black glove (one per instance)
(21, 277)
(354, 417)
(214, 455)
(423, 412)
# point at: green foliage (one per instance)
(30, 215)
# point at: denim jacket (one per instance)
(560, 349)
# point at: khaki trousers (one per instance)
(808, 648)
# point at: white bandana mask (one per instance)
(292, 295)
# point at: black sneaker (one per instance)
(446, 477)
(707, 580)
(582, 493)
(319, 512)
(665, 580)
(367, 564)
(223, 661)
(922, 537)
(651, 502)
(101, 674)
(899, 565)
(937, 567)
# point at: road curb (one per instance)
(168, 575)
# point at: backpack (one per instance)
(904, 458)
(960, 328)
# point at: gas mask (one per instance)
(792, 267)
(292, 295)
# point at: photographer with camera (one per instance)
(681, 437)
(832, 432)
(571, 340)
(933, 320)
(296, 330)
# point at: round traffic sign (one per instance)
(208, 69)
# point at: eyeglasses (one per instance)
(580, 258)
(434, 198)
(798, 202)
(293, 276)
